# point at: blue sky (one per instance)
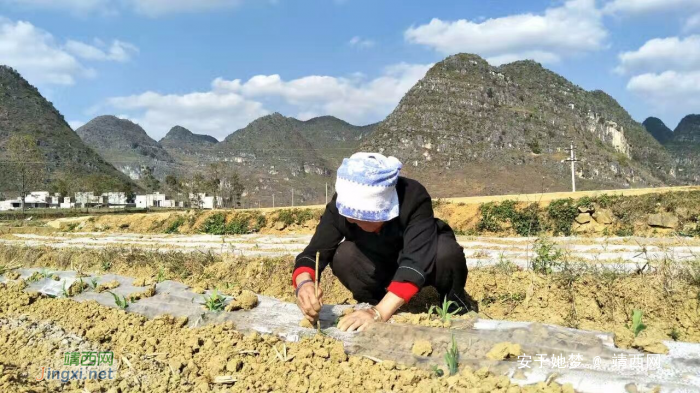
(215, 65)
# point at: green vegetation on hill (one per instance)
(127, 146)
(658, 129)
(65, 158)
(683, 144)
(468, 128)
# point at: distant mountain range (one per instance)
(466, 128)
(273, 154)
(683, 143)
(23, 111)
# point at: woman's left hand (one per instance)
(358, 320)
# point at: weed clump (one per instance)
(174, 226)
(239, 224)
(295, 216)
(547, 256)
(562, 213)
(524, 221)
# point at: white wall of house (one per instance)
(203, 201)
(33, 200)
(154, 200)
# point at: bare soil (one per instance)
(589, 300)
(161, 355)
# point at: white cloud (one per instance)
(356, 99)
(665, 72)
(648, 6)
(659, 54)
(119, 51)
(669, 90)
(692, 23)
(232, 104)
(573, 28)
(359, 42)
(37, 56)
(42, 60)
(214, 113)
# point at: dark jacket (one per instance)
(409, 240)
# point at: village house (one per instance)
(34, 200)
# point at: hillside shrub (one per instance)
(174, 226)
(526, 222)
(561, 213)
(295, 216)
(215, 224)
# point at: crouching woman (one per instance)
(383, 243)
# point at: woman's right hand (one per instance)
(308, 303)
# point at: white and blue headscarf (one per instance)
(366, 187)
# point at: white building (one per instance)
(204, 201)
(33, 200)
(67, 203)
(156, 200)
(89, 199)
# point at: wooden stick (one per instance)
(318, 256)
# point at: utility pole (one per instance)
(573, 160)
(292, 197)
(273, 201)
(326, 193)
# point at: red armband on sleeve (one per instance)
(300, 270)
(404, 290)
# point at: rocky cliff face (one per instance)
(24, 111)
(469, 128)
(126, 145)
(658, 129)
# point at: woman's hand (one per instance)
(358, 320)
(308, 303)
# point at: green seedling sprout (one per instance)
(444, 312)
(93, 282)
(161, 275)
(64, 291)
(121, 301)
(637, 325)
(437, 370)
(452, 357)
(214, 302)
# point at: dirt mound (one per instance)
(245, 300)
(161, 355)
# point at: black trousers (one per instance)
(368, 279)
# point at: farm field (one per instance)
(201, 301)
(593, 286)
